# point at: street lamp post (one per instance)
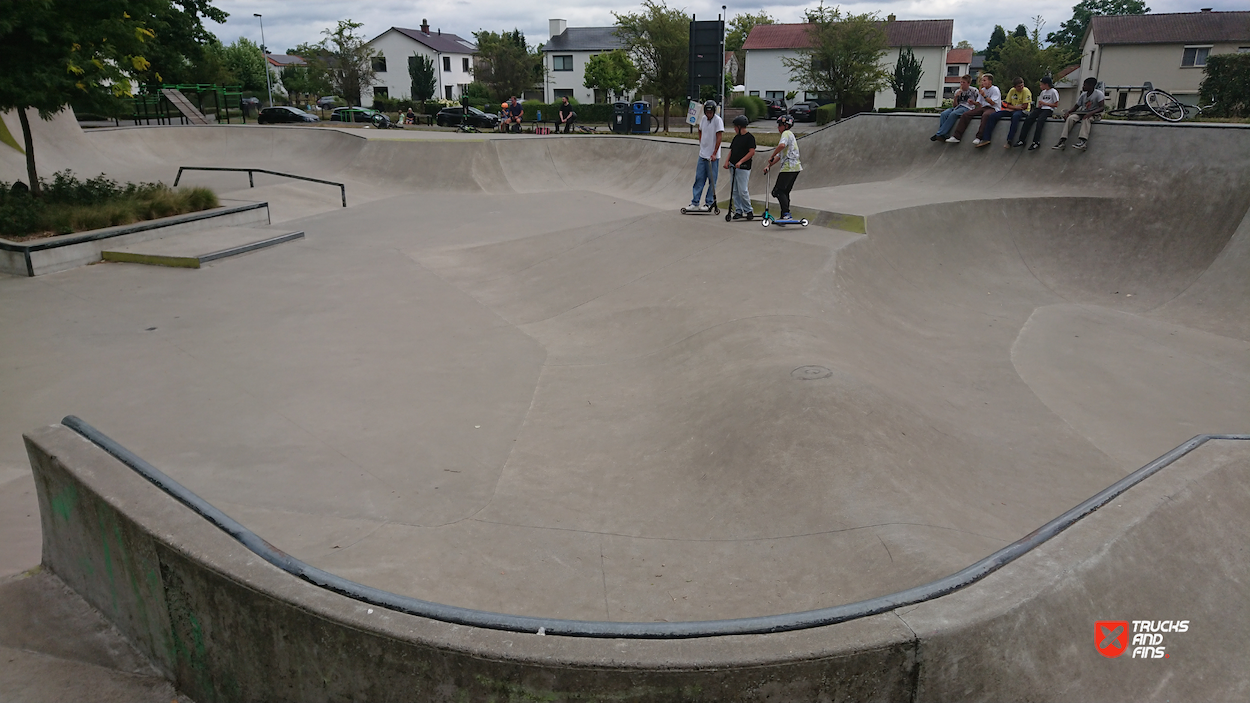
(263, 57)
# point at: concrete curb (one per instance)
(226, 625)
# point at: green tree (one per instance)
(305, 81)
(739, 28)
(424, 79)
(997, 38)
(612, 72)
(658, 38)
(346, 60)
(505, 63)
(963, 44)
(1021, 57)
(906, 78)
(843, 60)
(1226, 83)
(1020, 31)
(245, 62)
(1072, 32)
(180, 40)
(55, 52)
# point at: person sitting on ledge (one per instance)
(962, 101)
(989, 101)
(565, 115)
(1014, 106)
(1047, 103)
(1088, 107)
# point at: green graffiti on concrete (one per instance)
(63, 503)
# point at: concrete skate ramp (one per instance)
(511, 377)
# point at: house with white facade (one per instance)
(452, 57)
(769, 78)
(1170, 50)
(565, 56)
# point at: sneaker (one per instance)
(1080, 144)
(1034, 146)
(1020, 143)
(935, 137)
(1062, 143)
(739, 216)
(952, 140)
(1008, 145)
(976, 142)
(786, 216)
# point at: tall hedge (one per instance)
(827, 113)
(753, 106)
(1227, 84)
(586, 112)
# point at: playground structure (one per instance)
(559, 418)
(167, 104)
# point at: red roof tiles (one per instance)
(1172, 28)
(898, 33)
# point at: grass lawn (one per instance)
(70, 205)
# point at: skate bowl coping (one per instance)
(173, 577)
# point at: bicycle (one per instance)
(1152, 103)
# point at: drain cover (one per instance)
(811, 373)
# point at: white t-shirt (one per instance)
(1050, 95)
(790, 157)
(709, 143)
(990, 98)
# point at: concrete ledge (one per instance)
(187, 255)
(226, 625)
(69, 251)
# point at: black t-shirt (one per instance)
(739, 147)
(566, 111)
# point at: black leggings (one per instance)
(781, 189)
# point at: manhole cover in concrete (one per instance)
(811, 373)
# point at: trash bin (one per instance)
(622, 115)
(642, 118)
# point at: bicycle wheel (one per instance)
(655, 124)
(1165, 106)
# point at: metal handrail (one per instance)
(631, 630)
(251, 182)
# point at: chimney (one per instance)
(425, 26)
(1206, 9)
(890, 17)
(557, 27)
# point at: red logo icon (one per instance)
(1111, 637)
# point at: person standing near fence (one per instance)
(1047, 103)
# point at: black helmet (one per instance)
(709, 105)
(786, 120)
(742, 121)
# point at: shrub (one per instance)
(753, 107)
(1227, 84)
(827, 113)
(586, 112)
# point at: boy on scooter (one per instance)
(741, 151)
(711, 127)
(787, 152)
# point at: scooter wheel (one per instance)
(728, 217)
(716, 209)
(683, 211)
(766, 222)
(803, 222)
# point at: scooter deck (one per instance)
(714, 210)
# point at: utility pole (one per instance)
(264, 58)
(724, 99)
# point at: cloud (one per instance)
(290, 23)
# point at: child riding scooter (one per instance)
(787, 152)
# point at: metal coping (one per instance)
(633, 630)
(251, 182)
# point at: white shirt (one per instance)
(709, 142)
(1050, 95)
(990, 98)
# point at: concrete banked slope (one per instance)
(1014, 333)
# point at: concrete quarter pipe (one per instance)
(514, 379)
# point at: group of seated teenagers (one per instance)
(986, 102)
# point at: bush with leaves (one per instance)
(843, 60)
(1227, 84)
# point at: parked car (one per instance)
(776, 108)
(805, 111)
(283, 114)
(453, 116)
(353, 114)
(326, 102)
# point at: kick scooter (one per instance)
(768, 218)
(733, 188)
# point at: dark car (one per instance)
(283, 114)
(326, 102)
(804, 112)
(362, 115)
(776, 108)
(453, 116)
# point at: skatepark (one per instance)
(510, 377)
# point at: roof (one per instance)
(285, 60)
(442, 42)
(978, 61)
(1172, 28)
(959, 56)
(897, 33)
(585, 39)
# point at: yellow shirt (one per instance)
(1019, 98)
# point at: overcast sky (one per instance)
(288, 23)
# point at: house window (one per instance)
(381, 91)
(810, 97)
(447, 67)
(1091, 59)
(379, 64)
(1195, 56)
(948, 92)
(952, 70)
(774, 95)
(464, 64)
(562, 63)
(447, 91)
(930, 94)
(1243, 49)
(755, 93)
(562, 93)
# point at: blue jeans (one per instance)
(988, 122)
(705, 173)
(742, 196)
(949, 117)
